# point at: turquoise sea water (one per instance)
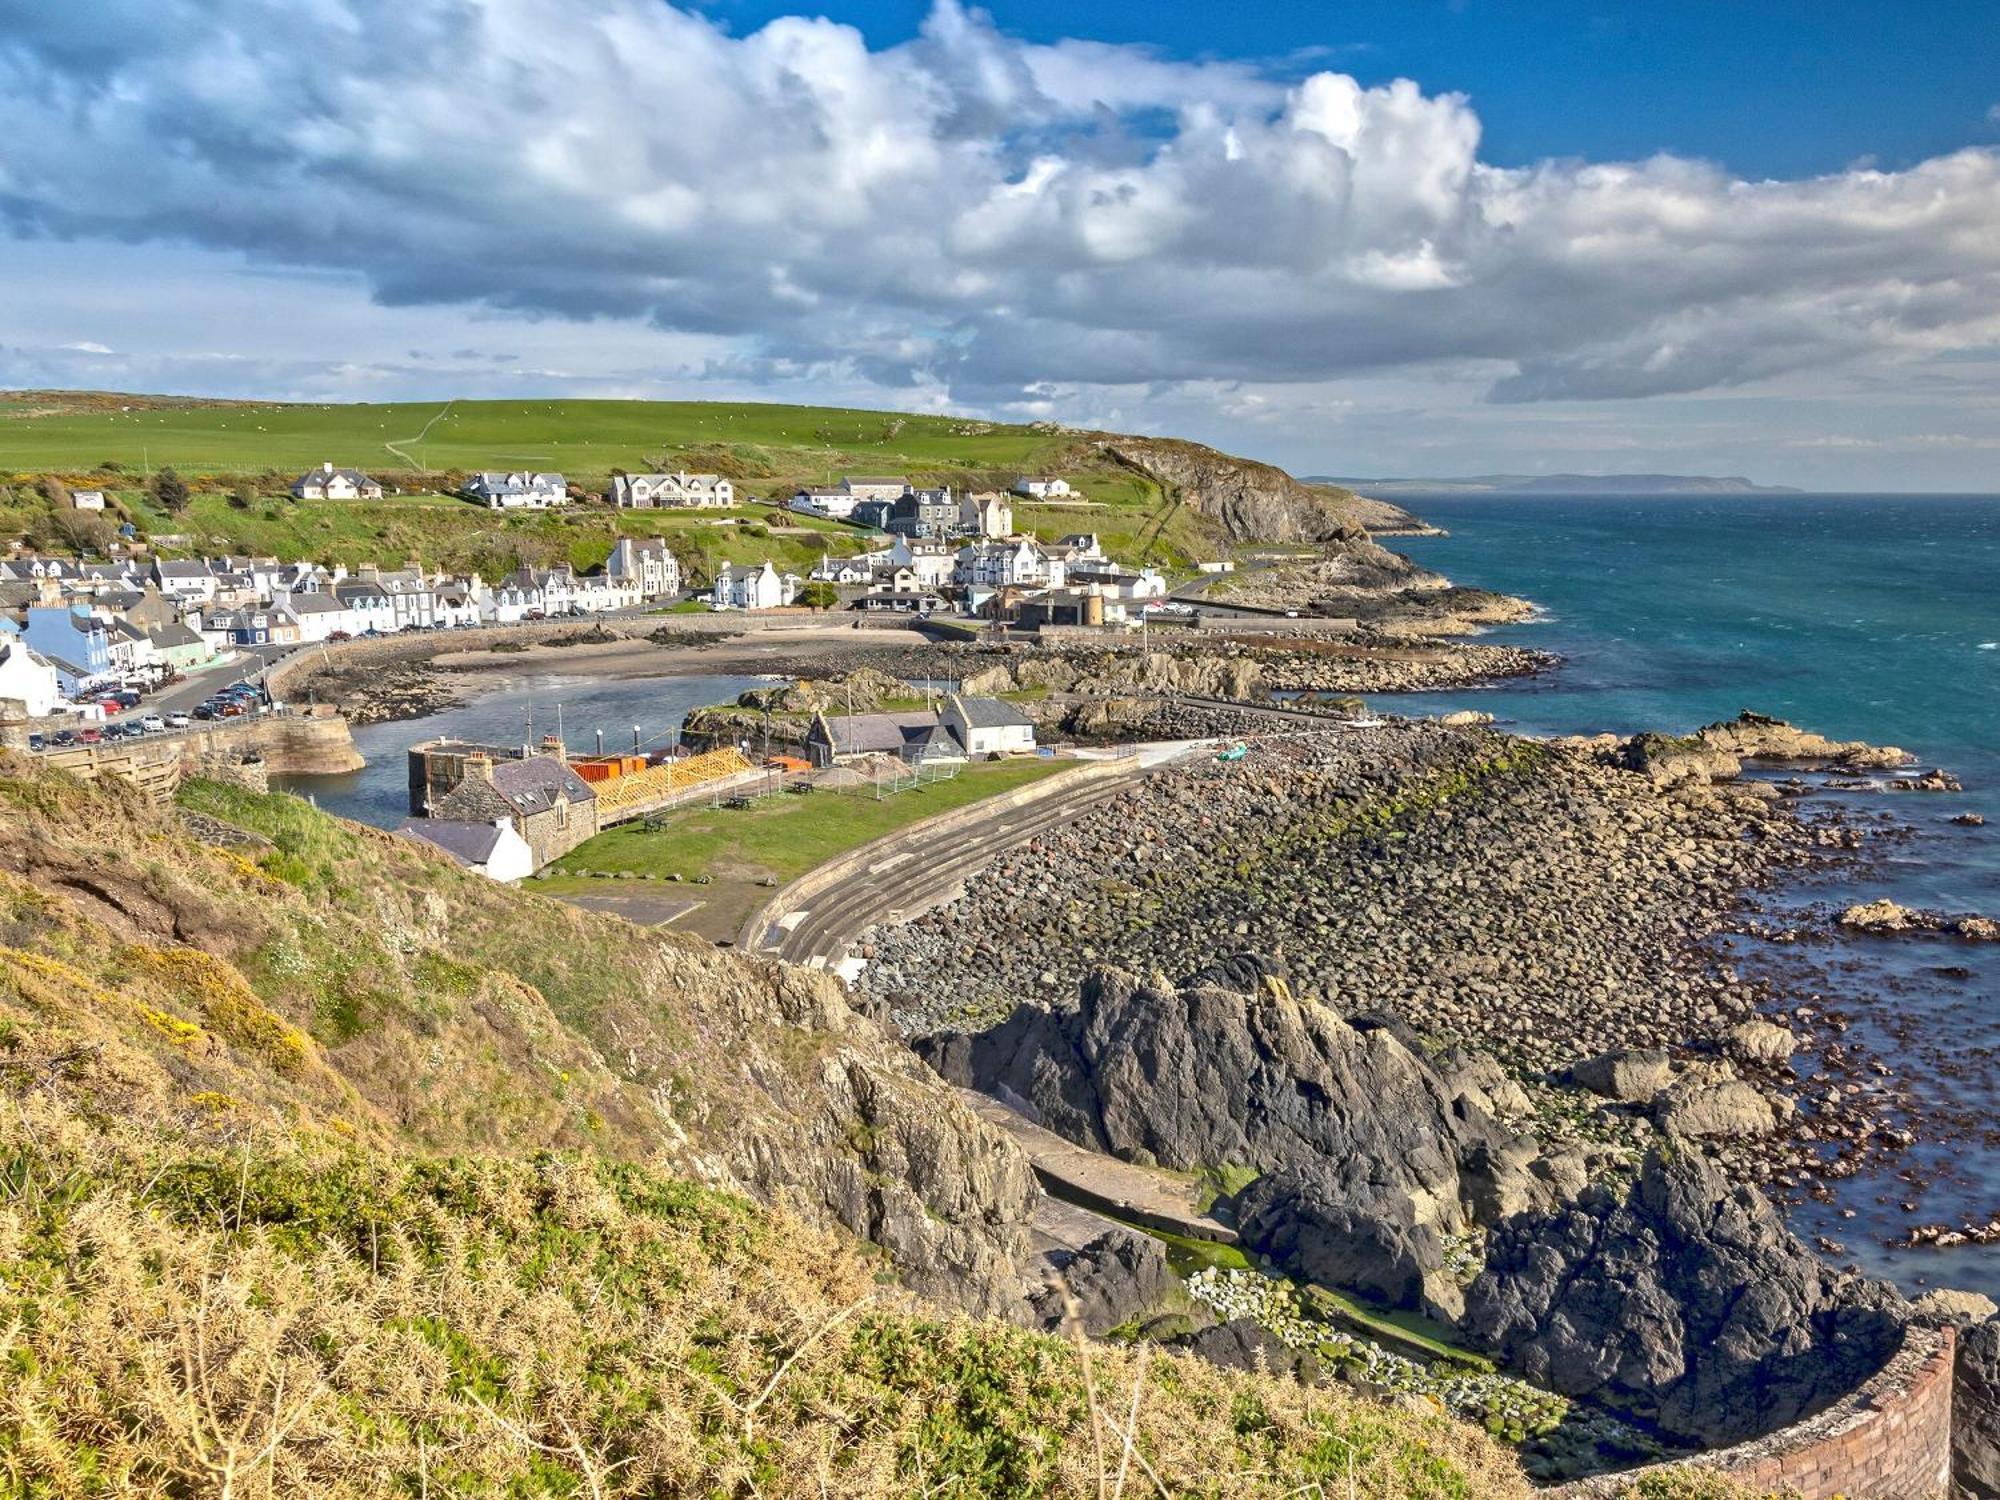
(1863, 617)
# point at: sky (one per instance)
(1386, 237)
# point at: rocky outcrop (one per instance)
(1251, 502)
(1754, 736)
(1683, 1300)
(1717, 752)
(1210, 1076)
(1887, 919)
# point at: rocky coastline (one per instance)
(1546, 904)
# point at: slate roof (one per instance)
(991, 713)
(169, 636)
(532, 785)
(467, 842)
(887, 734)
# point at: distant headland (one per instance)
(1564, 484)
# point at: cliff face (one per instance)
(1252, 502)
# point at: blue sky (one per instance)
(1424, 238)
(1764, 87)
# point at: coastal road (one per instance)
(913, 874)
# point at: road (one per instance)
(913, 875)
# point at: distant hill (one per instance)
(1564, 484)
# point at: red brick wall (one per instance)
(1888, 1440)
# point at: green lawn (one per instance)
(782, 837)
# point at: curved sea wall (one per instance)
(1890, 1439)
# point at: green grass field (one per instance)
(781, 836)
(584, 439)
(251, 452)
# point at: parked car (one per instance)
(153, 724)
(178, 721)
(63, 738)
(37, 742)
(338, 635)
(127, 698)
(111, 705)
(206, 711)
(90, 734)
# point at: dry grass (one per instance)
(347, 1174)
(183, 1318)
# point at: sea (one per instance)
(1872, 617)
(614, 712)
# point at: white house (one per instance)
(28, 679)
(517, 491)
(457, 602)
(368, 604)
(748, 587)
(930, 563)
(677, 491)
(833, 504)
(87, 499)
(1041, 486)
(650, 565)
(493, 849)
(847, 570)
(319, 615)
(185, 582)
(328, 483)
(988, 726)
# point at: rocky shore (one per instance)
(1546, 904)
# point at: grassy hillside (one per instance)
(327, 1169)
(252, 451)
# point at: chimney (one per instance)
(326, 467)
(479, 767)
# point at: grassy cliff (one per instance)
(328, 1169)
(239, 457)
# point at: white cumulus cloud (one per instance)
(966, 214)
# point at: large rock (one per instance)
(1348, 1234)
(1728, 1110)
(1758, 1040)
(1120, 1276)
(1630, 1076)
(1244, 1344)
(1755, 736)
(1684, 1300)
(1208, 1075)
(1975, 1426)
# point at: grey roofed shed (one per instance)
(464, 840)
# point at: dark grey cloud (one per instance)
(967, 211)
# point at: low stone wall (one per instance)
(1888, 1440)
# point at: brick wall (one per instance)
(1888, 1440)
